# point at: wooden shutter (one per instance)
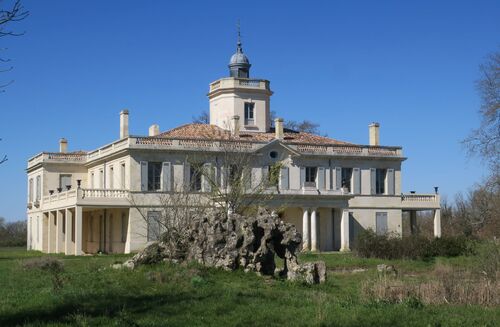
(265, 176)
(390, 181)
(224, 176)
(284, 184)
(144, 176)
(302, 176)
(207, 177)
(187, 176)
(338, 178)
(356, 180)
(373, 181)
(166, 176)
(320, 179)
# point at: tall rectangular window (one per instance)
(346, 178)
(30, 190)
(154, 176)
(381, 223)
(101, 178)
(249, 113)
(64, 181)
(111, 177)
(380, 181)
(195, 177)
(92, 176)
(122, 176)
(91, 229)
(38, 187)
(311, 176)
(153, 221)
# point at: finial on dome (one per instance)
(239, 65)
(239, 36)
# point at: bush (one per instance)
(392, 246)
(54, 267)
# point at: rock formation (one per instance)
(247, 242)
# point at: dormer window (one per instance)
(249, 113)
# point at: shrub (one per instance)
(488, 259)
(392, 246)
(54, 267)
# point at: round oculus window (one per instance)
(273, 154)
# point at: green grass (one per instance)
(191, 295)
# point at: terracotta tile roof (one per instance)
(212, 132)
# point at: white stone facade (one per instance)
(79, 202)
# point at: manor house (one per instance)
(80, 202)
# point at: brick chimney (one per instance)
(123, 123)
(374, 134)
(63, 145)
(278, 129)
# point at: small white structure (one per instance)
(79, 202)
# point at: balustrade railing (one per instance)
(104, 193)
(419, 197)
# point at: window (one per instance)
(92, 176)
(195, 177)
(124, 227)
(30, 190)
(381, 223)
(38, 187)
(380, 181)
(154, 176)
(346, 178)
(153, 225)
(111, 177)
(64, 181)
(311, 176)
(249, 113)
(273, 154)
(122, 176)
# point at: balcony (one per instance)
(231, 82)
(81, 196)
(420, 201)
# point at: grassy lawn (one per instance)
(190, 295)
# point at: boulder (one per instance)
(235, 241)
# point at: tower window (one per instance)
(249, 113)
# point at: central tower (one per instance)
(238, 95)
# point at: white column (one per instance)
(344, 231)
(68, 249)
(329, 230)
(59, 232)
(28, 225)
(437, 223)
(314, 230)
(78, 230)
(305, 230)
(51, 234)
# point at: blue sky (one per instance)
(409, 65)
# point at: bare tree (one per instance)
(202, 118)
(8, 16)
(230, 183)
(485, 140)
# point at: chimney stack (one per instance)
(154, 130)
(235, 125)
(63, 145)
(123, 123)
(374, 134)
(278, 128)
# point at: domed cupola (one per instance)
(239, 66)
